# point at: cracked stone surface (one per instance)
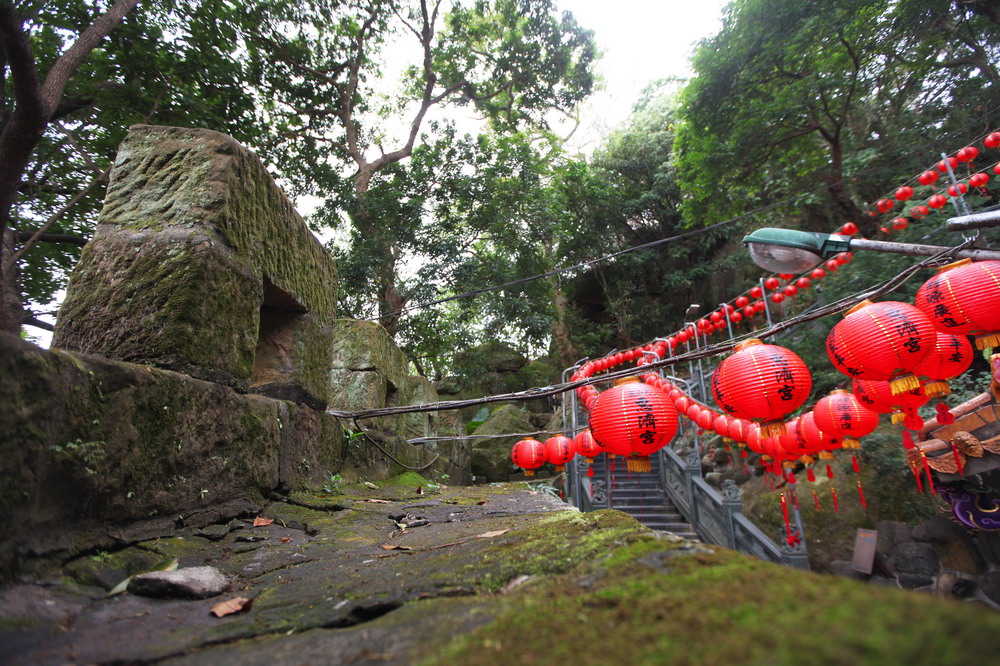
(482, 575)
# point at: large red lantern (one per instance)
(559, 450)
(842, 416)
(529, 455)
(964, 299)
(950, 356)
(633, 420)
(762, 383)
(586, 446)
(884, 341)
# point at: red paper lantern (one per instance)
(529, 455)
(749, 312)
(992, 140)
(849, 229)
(920, 211)
(818, 440)
(771, 283)
(803, 283)
(742, 301)
(884, 205)
(762, 383)
(817, 274)
(928, 177)
(633, 420)
(979, 179)
(884, 340)
(559, 450)
(777, 297)
(877, 396)
(791, 290)
(721, 426)
(693, 410)
(964, 298)
(967, 154)
(586, 446)
(705, 419)
(756, 292)
(943, 168)
(832, 265)
(840, 415)
(900, 223)
(739, 429)
(904, 193)
(950, 356)
(955, 190)
(937, 201)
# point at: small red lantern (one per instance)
(633, 420)
(817, 439)
(742, 301)
(849, 229)
(529, 455)
(877, 396)
(904, 193)
(586, 446)
(749, 312)
(761, 382)
(841, 415)
(803, 283)
(771, 283)
(756, 292)
(884, 205)
(992, 140)
(928, 177)
(559, 450)
(920, 211)
(884, 340)
(739, 429)
(721, 426)
(967, 154)
(777, 297)
(705, 419)
(950, 356)
(943, 168)
(964, 298)
(817, 274)
(900, 223)
(955, 190)
(979, 179)
(791, 290)
(937, 201)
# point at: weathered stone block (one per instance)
(94, 451)
(200, 264)
(490, 458)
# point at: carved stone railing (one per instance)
(718, 517)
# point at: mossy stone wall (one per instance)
(193, 237)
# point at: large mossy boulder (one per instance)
(367, 368)
(200, 264)
(491, 457)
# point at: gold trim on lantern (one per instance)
(904, 383)
(529, 472)
(788, 464)
(825, 455)
(638, 464)
(897, 417)
(752, 342)
(589, 461)
(937, 388)
(850, 443)
(954, 264)
(863, 304)
(559, 468)
(807, 460)
(626, 380)
(772, 429)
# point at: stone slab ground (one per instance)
(471, 575)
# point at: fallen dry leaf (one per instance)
(261, 522)
(481, 502)
(490, 535)
(285, 539)
(378, 501)
(237, 605)
(514, 582)
(389, 546)
(368, 484)
(420, 490)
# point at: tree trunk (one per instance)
(561, 330)
(11, 309)
(844, 206)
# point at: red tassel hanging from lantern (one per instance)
(841, 415)
(884, 341)
(833, 489)
(762, 383)
(861, 490)
(529, 455)
(559, 450)
(964, 298)
(633, 420)
(586, 446)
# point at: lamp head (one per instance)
(792, 251)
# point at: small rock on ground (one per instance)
(187, 583)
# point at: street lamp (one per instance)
(793, 251)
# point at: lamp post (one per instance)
(793, 251)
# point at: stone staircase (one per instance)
(640, 495)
